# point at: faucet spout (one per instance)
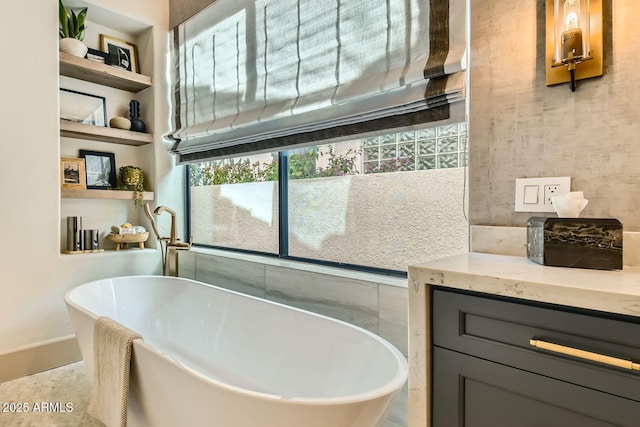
(173, 239)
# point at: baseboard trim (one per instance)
(39, 357)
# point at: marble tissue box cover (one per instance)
(575, 242)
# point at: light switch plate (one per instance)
(534, 194)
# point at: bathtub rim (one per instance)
(389, 388)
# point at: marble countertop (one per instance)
(616, 291)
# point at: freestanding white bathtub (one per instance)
(213, 357)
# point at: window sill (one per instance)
(305, 266)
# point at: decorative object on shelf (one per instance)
(128, 228)
(91, 240)
(100, 169)
(98, 56)
(122, 53)
(121, 240)
(132, 178)
(71, 31)
(120, 123)
(81, 241)
(74, 233)
(73, 46)
(72, 174)
(79, 107)
(137, 125)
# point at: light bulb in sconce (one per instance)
(572, 35)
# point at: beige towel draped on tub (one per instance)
(112, 345)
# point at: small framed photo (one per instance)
(122, 53)
(100, 169)
(72, 173)
(79, 107)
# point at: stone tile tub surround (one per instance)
(511, 276)
(374, 302)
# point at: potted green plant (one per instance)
(71, 31)
(132, 178)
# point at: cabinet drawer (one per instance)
(502, 330)
(472, 392)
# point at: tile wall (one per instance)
(380, 307)
(512, 241)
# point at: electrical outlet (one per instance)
(549, 192)
(534, 194)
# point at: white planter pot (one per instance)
(73, 46)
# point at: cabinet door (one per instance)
(501, 331)
(473, 392)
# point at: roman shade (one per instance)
(261, 75)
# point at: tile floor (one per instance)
(66, 387)
(64, 392)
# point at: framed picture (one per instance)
(84, 108)
(72, 173)
(122, 53)
(100, 169)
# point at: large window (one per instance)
(234, 203)
(379, 202)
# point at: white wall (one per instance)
(34, 276)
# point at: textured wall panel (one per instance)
(519, 127)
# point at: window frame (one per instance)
(283, 228)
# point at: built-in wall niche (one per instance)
(106, 27)
(118, 86)
(103, 208)
(101, 215)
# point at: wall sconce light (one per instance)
(574, 36)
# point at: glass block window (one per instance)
(432, 148)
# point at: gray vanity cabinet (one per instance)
(489, 369)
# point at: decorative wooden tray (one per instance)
(121, 240)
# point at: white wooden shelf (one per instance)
(105, 134)
(107, 75)
(71, 193)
